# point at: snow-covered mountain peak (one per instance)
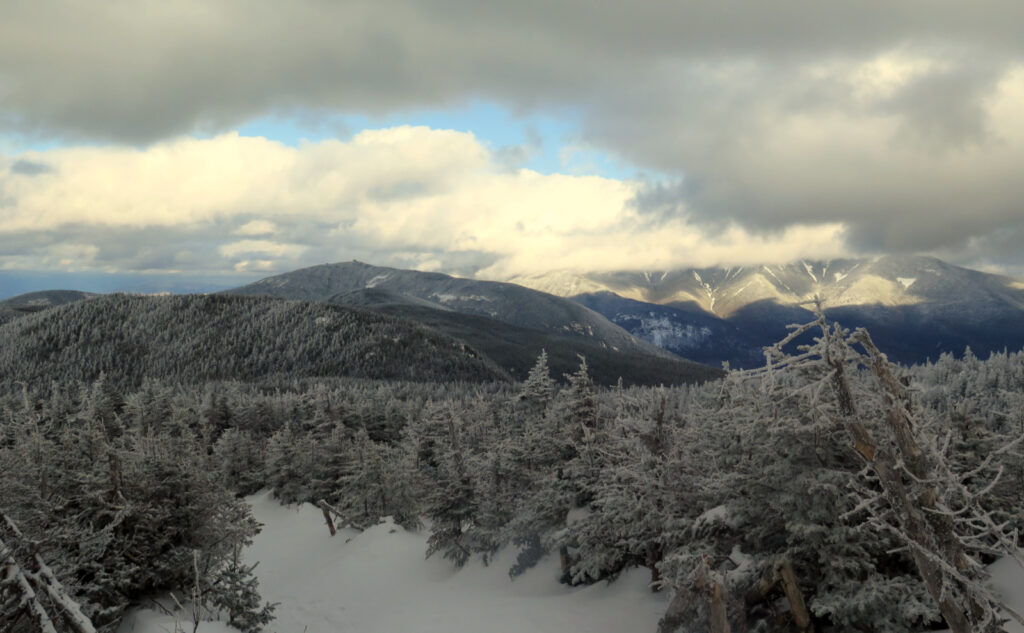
(889, 280)
(870, 289)
(564, 283)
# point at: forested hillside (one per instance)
(515, 349)
(195, 338)
(832, 490)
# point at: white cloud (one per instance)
(254, 266)
(409, 196)
(255, 228)
(261, 247)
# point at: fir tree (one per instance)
(452, 505)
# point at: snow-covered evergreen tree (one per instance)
(538, 389)
(452, 504)
(241, 460)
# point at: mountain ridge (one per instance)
(31, 302)
(887, 280)
(917, 307)
(506, 302)
(920, 307)
(508, 323)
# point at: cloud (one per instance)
(261, 247)
(902, 122)
(140, 72)
(256, 228)
(916, 155)
(411, 197)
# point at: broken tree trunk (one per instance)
(30, 587)
(654, 555)
(797, 605)
(702, 583)
(931, 535)
(328, 510)
(565, 562)
(914, 481)
(676, 615)
(782, 576)
(707, 583)
(28, 602)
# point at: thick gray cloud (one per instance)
(902, 121)
(140, 71)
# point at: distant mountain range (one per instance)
(637, 325)
(508, 323)
(915, 307)
(480, 330)
(31, 302)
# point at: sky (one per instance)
(204, 143)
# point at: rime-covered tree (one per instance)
(363, 492)
(452, 504)
(120, 518)
(538, 389)
(290, 460)
(241, 460)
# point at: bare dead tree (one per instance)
(29, 590)
(913, 492)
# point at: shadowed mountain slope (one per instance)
(197, 338)
(508, 303)
(515, 349)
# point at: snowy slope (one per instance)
(894, 280)
(686, 331)
(915, 307)
(1008, 580)
(377, 581)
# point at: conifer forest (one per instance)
(829, 490)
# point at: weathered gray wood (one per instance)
(326, 509)
(797, 605)
(782, 575)
(922, 524)
(31, 583)
(716, 597)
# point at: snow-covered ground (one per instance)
(378, 581)
(1008, 580)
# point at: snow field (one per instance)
(378, 581)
